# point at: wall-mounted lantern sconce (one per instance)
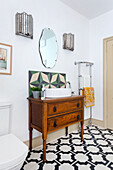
(68, 41)
(24, 25)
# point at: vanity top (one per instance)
(47, 100)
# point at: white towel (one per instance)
(81, 82)
(85, 81)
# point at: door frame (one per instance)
(105, 104)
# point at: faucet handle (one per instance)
(68, 82)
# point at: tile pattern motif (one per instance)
(69, 153)
(50, 80)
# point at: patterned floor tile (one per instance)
(110, 166)
(106, 149)
(51, 156)
(110, 142)
(65, 148)
(63, 157)
(49, 166)
(66, 166)
(83, 166)
(111, 131)
(31, 166)
(93, 127)
(93, 149)
(74, 135)
(102, 142)
(104, 131)
(81, 157)
(76, 141)
(109, 157)
(95, 132)
(34, 156)
(101, 167)
(97, 158)
(98, 136)
(87, 136)
(86, 130)
(79, 148)
(89, 142)
(64, 140)
(52, 147)
(69, 153)
(108, 136)
(24, 165)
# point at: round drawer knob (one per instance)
(54, 109)
(55, 124)
(77, 117)
(78, 104)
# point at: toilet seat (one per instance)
(12, 151)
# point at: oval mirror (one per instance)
(48, 48)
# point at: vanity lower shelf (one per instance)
(49, 115)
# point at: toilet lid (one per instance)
(12, 151)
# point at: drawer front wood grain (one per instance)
(54, 108)
(59, 121)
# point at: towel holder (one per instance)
(89, 65)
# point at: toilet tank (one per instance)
(5, 109)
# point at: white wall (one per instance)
(100, 28)
(61, 19)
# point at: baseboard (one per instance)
(54, 135)
(98, 122)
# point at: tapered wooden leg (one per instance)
(30, 139)
(44, 130)
(81, 131)
(66, 130)
(44, 150)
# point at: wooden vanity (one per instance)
(49, 115)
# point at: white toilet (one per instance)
(12, 151)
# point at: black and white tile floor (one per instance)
(69, 153)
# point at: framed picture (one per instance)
(5, 59)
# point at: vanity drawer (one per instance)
(59, 121)
(54, 108)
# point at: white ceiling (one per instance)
(90, 8)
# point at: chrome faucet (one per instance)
(68, 82)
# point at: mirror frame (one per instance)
(40, 51)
